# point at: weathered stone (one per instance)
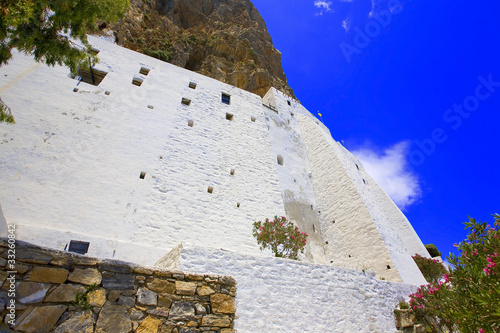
(136, 314)
(161, 312)
(86, 276)
(227, 281)
(194, 277)
(188, 330)
(97, 297)
(113, 319)
(161, 286)
(65, 293)
(20, 268)
(227, 330)
(81, 322)
(114, 295)
(127, 300)
(216, 320)
(31, 292)
(182, 311)
(48, 274)
(143, 270)
(39, 319)
(404, 317)
(118, 281)
(192, 323)
(149, 325)
(200, 309)
(70, 261)
(3, 277)
(178, 276)
(185, 288)
(32, 256)
(116, 267)
(164, 300)
(205, 291)
(167, 328)
(222, 304)
(146, 297)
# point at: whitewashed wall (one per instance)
(279, 295)
(72, 162)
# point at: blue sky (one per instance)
(413, 89)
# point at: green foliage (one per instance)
(44, 28)
(5, 114)
(403, 305)
(281, 236)
(164, 55)
(432, 269)
(81, 299)
(468, 298)
(433, 250)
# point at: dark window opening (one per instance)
(357, 166)
(192, 85)
(388, 267)
(238, 205)
(364, 181)
(144, 71)
(91, 75)
(137, 81)
(210, 189)
(186, 101)
(226, 99)
(333, 221)
(289, 103)
(78, 247)
(314, 228)
(190, 123)
(253, 119)
(232, 172)
(229, 116)
(142, 175)
(280, 160)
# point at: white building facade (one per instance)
(156, 155)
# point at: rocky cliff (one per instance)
(223, 39)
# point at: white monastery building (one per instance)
(155, 164)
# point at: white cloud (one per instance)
(346, 24)
(390, 170)
(323, 5)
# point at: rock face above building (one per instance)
(226, 40)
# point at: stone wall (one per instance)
(60, 292)
(286, 296)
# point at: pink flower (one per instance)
(481, 330)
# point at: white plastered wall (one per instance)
(285, 296)
(71, 164)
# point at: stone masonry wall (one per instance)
(60, 292)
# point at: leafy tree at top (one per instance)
(46, 28)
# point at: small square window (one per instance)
(91, 75)
(186, 101)
(210, 189)
(137, 81)
(232, 172)
(144, 71)
(229, 116)
(226, 99)
(252, 119)
(78, 247)
(190, 123)
(192, 85)
(142, 175)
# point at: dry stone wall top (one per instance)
(57, 291)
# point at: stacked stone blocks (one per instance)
(62, 292)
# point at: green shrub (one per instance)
(281, 236)
(432, 269)
(433, 250)
(468, 298)
(5, 115)
(158, 54)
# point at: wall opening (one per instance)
(210, 189)
(290, 104)
(238, 205)
(144, 71)
(78, 247)
(252, 118)
(150, 107)
(333, 221)
(357, 166)
(232, 172)
(91, 75)
(326, 242)
(314, 228)
(388, 267)
(186, 101)
(229, 116)
(364, 181)
(107, 92)
(226, 99)
(192, 85)
(190, 123)
(142, 175)
(136, 81)
(280, 160)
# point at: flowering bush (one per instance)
(468, 298)
(432, 269)
(281, 236)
